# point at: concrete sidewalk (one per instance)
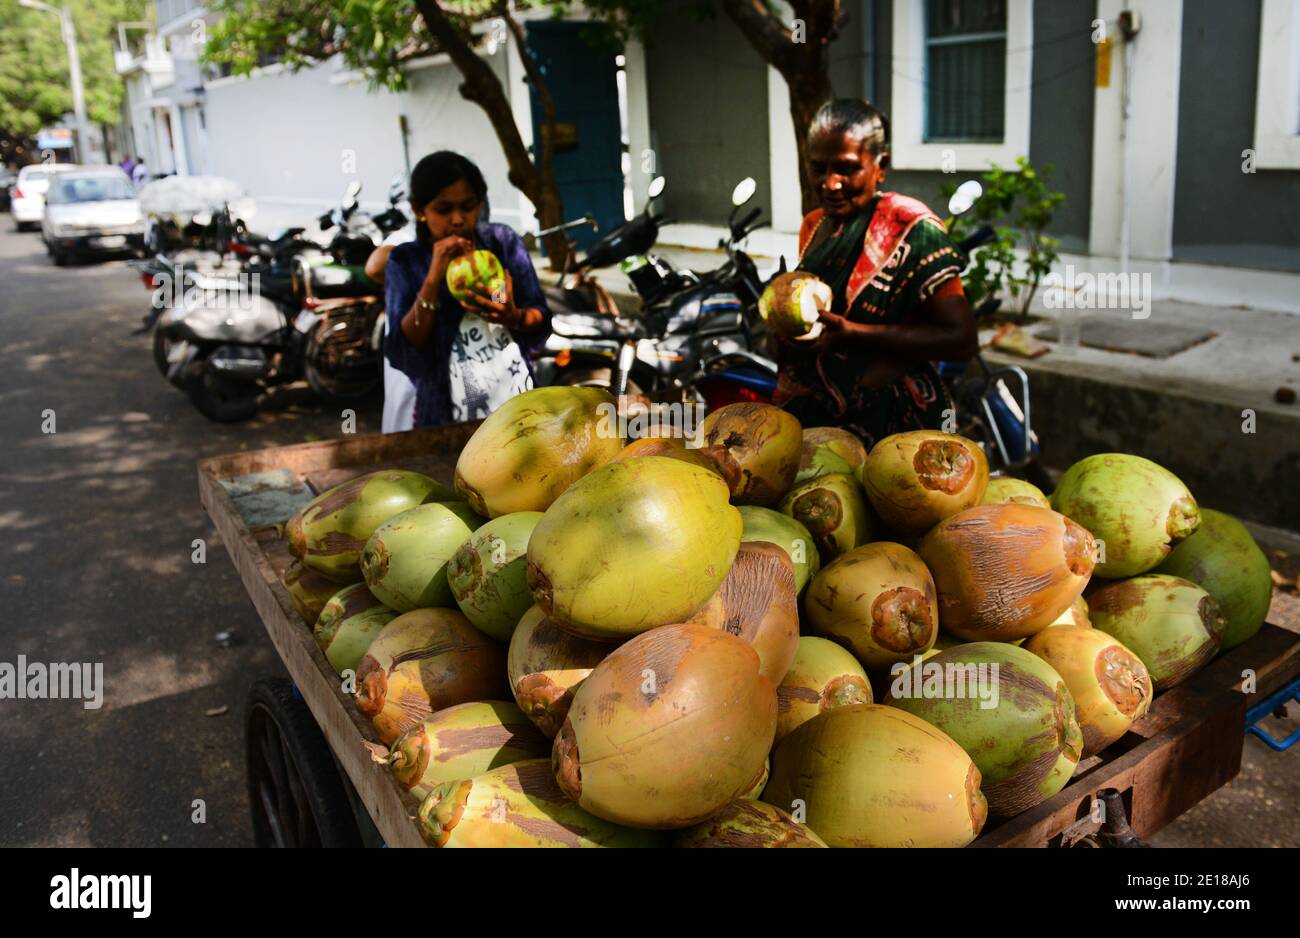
(1210, 413)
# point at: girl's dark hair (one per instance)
(857, 117)
(436, 172)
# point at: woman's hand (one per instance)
(499, 309)
(445, 251)
(836, 329)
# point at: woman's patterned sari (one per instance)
(881, 265)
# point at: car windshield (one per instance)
(91, 189)
(35, 175)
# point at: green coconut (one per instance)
(1172, 624)
(1224, 560)
(834, 511)
(820, 461)
(479, 270)
(405, 560)
(463, 741)
(1017, 720)
(1136, 508)
(331, 531)
(765, 524)
(749, 824)
(872, 776)
(517, 805)
(636, 544)
(347, 625)
(488, 574)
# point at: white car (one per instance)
(92, 210)
(27, 202)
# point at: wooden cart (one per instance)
(1189, 744)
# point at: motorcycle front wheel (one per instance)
(223, 400)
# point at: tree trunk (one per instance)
(481, 86)
(805, 65)
(809, 90)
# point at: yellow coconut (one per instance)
(517, 805)
(1110, 685)
(546, 664)
(872, 776)
(916, 479)
(1004, 490)
(879, 601)
(1006, 571)
(757, 602)
(823, 676)
(757, 448)
(535, 446)
(666, 730)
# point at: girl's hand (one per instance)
(501, 309)
(444, 252)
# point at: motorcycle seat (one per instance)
(595, 326)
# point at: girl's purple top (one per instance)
(429, 368)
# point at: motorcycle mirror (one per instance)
(744, 191)
(354, 190)
(965, 196)
(656, 187)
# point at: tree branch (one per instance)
(546, 150)
(762, 28)
(483, 88)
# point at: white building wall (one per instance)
(295, 140)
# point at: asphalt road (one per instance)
(97, 520)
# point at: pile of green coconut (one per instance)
(763, 636)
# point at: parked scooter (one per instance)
(987, 409)
(225, 337)
(690, 326)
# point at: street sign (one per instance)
(56, 138)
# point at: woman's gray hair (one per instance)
(853, 116)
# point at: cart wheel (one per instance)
(295, 792)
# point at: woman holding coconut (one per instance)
(898, 303)
(466, 353)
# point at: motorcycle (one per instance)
(693, 326)
(224, 334)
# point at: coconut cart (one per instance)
(312, 778)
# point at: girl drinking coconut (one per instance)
(897, 301)
(467, 353)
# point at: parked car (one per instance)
(27, 204)
(92, 211)
(7, 179)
